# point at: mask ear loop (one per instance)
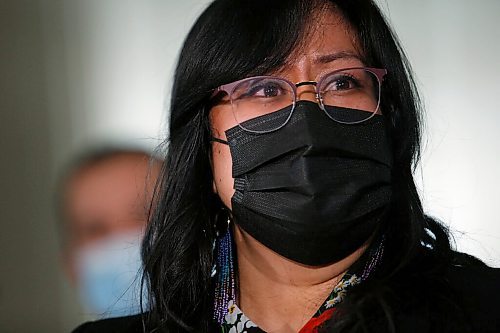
(224, 273)
(219, 140)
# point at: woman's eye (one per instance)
(343, 83)
(260, 89)
(268, 90)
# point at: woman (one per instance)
(289, 203)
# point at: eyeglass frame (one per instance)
(228, 88)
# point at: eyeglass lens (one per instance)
(347, 96)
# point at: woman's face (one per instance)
(331, 45)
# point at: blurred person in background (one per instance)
(103, 205)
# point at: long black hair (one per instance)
(233, 39)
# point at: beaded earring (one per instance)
(376, 255)
(224, 273)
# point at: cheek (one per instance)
(221, 119)
(222, 170)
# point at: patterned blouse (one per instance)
(235, 320)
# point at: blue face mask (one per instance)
(110, 274)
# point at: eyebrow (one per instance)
(327, 58)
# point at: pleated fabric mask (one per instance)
(315, 190)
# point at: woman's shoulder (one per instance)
(476, 278)
(475, 289)
(473, 278)
(478, 286)
(111, 325)
(457, 294)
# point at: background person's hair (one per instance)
(231, 40)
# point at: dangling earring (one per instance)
(376, 255)
(224, 274)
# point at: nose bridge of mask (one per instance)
(296, 134)
(326, 137)
(310, 129)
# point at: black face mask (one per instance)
(315, 190)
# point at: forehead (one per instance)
(109, 183)
(328, 38)
(114, 169)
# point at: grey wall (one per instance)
(29, 278)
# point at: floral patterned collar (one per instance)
(237, 322)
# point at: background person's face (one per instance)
(331, 36)
(105, 200)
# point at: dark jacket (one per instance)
(478, 288)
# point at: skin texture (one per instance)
(277, 294)
(104, 199)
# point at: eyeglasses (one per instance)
(347, 96)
